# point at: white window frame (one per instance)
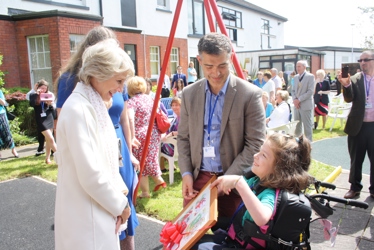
(174, 60)
(40, 60)
(165, 5)
(75, 40)
(154, 60)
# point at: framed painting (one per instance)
(198, 216)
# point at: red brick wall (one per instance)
(8, 49)
(317, 63)
(13, 45)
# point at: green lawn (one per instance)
(164, 204)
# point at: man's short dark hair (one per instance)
(214, 44)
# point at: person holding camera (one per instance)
(43, 103)
(358, 90)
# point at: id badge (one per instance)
(209, 152)
(368, 105)
(43, 115)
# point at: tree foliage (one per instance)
(369, 38)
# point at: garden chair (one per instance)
(171, 159)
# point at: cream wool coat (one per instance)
(87, 201)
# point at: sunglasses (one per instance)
(329, 232)
(365, 60)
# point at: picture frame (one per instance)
(200, 215)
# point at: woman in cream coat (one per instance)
(90, 201)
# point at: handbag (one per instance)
(162, 121)
(10, 115)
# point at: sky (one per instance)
(322, 22)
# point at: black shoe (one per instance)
(315, 125)
(164, 170)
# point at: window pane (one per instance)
(265, 65)
(161, 3)
(154, 68)
(41, 63)
(289, 56)
(32, 45)
(46, 43)
(263, 58)
(199, 18)
(39, 44)
(47, 59)
(276, 57)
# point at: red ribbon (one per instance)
(171, 234)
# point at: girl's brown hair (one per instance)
(39, 84)
(292, 160)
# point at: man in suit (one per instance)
(359, 90)
(222, 124)
(302, 94)
(179, 75)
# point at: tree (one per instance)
(369, 13)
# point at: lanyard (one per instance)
(42, 103)
(211, 112)
(367, 86)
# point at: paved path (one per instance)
(335, 152)
(27, 211)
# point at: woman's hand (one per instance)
(135, 143)
(123, 218)
(135, 163)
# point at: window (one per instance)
(232, 34)
(345, 59)
(75, 40)
(161, 3)
(128, 13)
(265, 26)
(265, 32)
(154, 61)
(39, 58)
(174, 60)
(196, 17)
(231, 17)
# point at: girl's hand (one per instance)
(226, 183)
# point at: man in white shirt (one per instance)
(276, 79)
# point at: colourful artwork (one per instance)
(199, 215)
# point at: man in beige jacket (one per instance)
(222, 124)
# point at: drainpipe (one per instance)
(101, 10)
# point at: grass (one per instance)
(165, 204)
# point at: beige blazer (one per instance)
(87, 203)
(242, 127)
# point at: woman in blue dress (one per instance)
(118, 115)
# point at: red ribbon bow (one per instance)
(171, 234)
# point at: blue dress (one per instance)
(127, 170)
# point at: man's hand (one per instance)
(296, 103)
(187, 187)
(344, 81)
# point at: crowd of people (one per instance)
(97, 132)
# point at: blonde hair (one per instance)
(136, 85)
(283, 94)
(176, 100)
(321, 72)
(104, 60)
